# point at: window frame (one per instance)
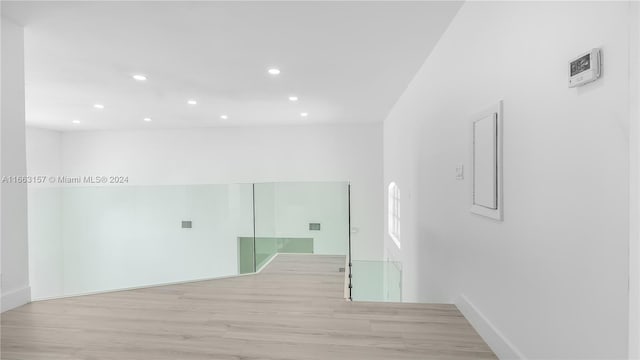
(393, 212)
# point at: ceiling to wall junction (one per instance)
(208, 63)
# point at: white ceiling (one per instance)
(347, 61)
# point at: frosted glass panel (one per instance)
(93, 239)
(45, 242)
(267, 248)
(376, 281)
(286, 210)
(88, 239)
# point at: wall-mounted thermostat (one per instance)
(585, 68)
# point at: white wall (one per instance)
(551, 280)
(244, 155)
(634, 164)
(15, 272)
(44, 153)
(92, 241)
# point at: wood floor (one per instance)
(292, 310)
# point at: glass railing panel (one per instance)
(246, 255)
(266, 248)
(92, 239)
(45, 242)
(86, 239)
(241, 214)
(376, 281)
(291, 216)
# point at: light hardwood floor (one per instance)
(292, 310)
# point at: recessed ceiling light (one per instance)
(304, 114)
(98, 106)
(224, 117)
(192, 102)
(147, 119)
(274, 71)
(139, 77)
(293, 98)
(76, 121)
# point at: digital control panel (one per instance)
(585, 68)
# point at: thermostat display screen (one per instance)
(581, 64)
(585, 68)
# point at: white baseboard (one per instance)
(496, 340)
(13, 299)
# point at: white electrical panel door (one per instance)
(486, 163)
(485, 179)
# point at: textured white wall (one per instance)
(552, 278)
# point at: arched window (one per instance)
(394, 213)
